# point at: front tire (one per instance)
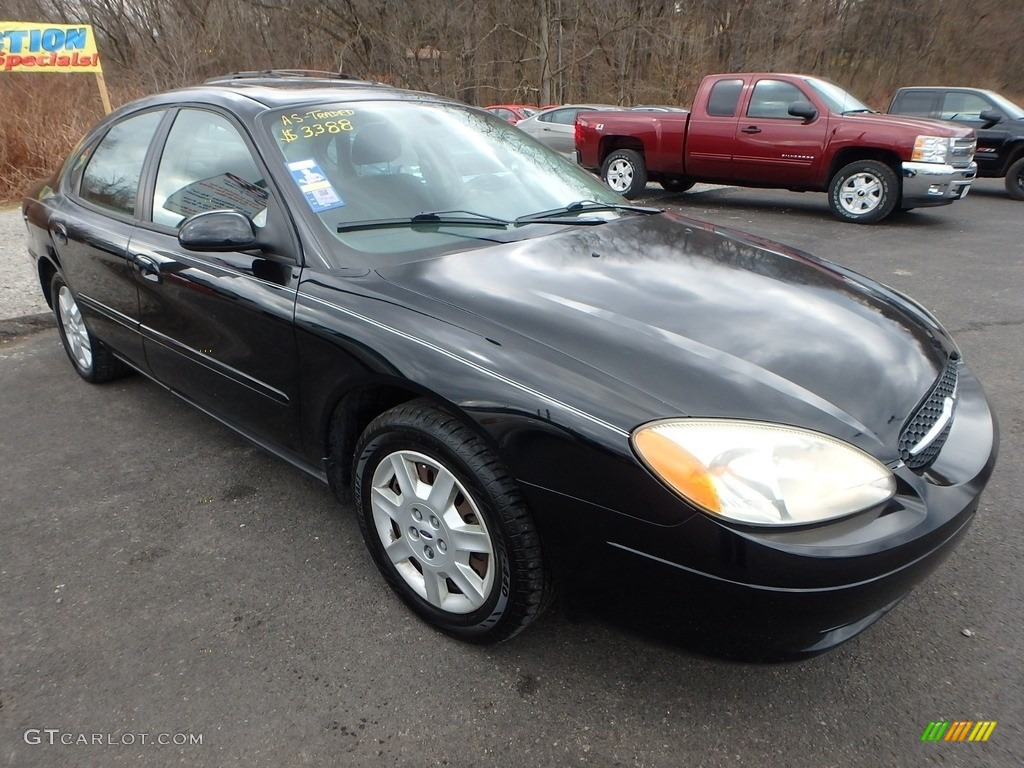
(1015, 180)
(625, 172)
(863, 192)
(92, 359)
(447, 526)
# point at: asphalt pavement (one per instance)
(171, 594)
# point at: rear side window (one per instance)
(725, 95)
(915, 103)
(111, 177)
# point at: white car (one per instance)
(555, 127)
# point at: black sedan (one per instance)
(526, 383)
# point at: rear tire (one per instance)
(447, 526)
(625, 172)
(863, 192)
(1015, 180)
(677, 184)
(92, 359)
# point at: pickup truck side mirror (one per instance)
(804, 110)
(990, 117)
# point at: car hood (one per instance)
(707, 321)
(920, 125)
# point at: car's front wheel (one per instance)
(1015, 180)
(625, 172)
(92, 359)
(863, 192)
(447, 526)
(677, 184)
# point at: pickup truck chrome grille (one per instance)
(962, 152)
(926, 431)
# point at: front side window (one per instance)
(111, 176)
(958, 105)
(207, 166)
(771, 98)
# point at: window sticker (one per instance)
(314, 185)
(224, 191)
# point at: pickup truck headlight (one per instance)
(930, 149)
(762, 474)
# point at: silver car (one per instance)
(555, 127)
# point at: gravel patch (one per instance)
(20, 295)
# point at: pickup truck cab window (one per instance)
(725, 95)
(963, 106)
(771, 98)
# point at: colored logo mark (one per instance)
(958, 730)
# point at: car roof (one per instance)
(255, 92)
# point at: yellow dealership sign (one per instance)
(42, 47)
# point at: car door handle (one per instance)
(750, 129)
(147, 267)
(60, 233)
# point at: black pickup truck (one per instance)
(998, 121)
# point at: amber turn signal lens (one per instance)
(678, 468)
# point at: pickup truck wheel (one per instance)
(1015, 180)
(677, 184)
(625, 172)
(863, 192)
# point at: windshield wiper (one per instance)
(860, 111)
(556, 215)
(435, 219)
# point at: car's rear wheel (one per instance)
(1015, 180)
(863, 192)
(447, 526)
(625, 172)
(92, 359)
(677, 184)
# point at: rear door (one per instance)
(218, 327)
(91, 228)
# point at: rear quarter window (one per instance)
(724, 96)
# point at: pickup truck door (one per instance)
(965, 107)
(772, 146)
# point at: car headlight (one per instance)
(930, 149)
(762, 474)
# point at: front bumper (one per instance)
(769, 594)
(927, 184)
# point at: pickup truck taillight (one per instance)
(577, 133)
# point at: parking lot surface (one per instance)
(161, 579)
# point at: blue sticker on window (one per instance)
(313, 183)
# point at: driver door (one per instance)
(218, 327)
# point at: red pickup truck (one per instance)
(783, 131)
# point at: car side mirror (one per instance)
(217, 231)
(990, 117)
(804, 110)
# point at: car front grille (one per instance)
(913, 452)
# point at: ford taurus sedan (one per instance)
(525, 384)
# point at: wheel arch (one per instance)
(353, 411)
(1016, 153)
(610, 144)
(46, 270)
(854, 154)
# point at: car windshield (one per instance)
(837, 99)
(400, 177)
(1007, 107)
